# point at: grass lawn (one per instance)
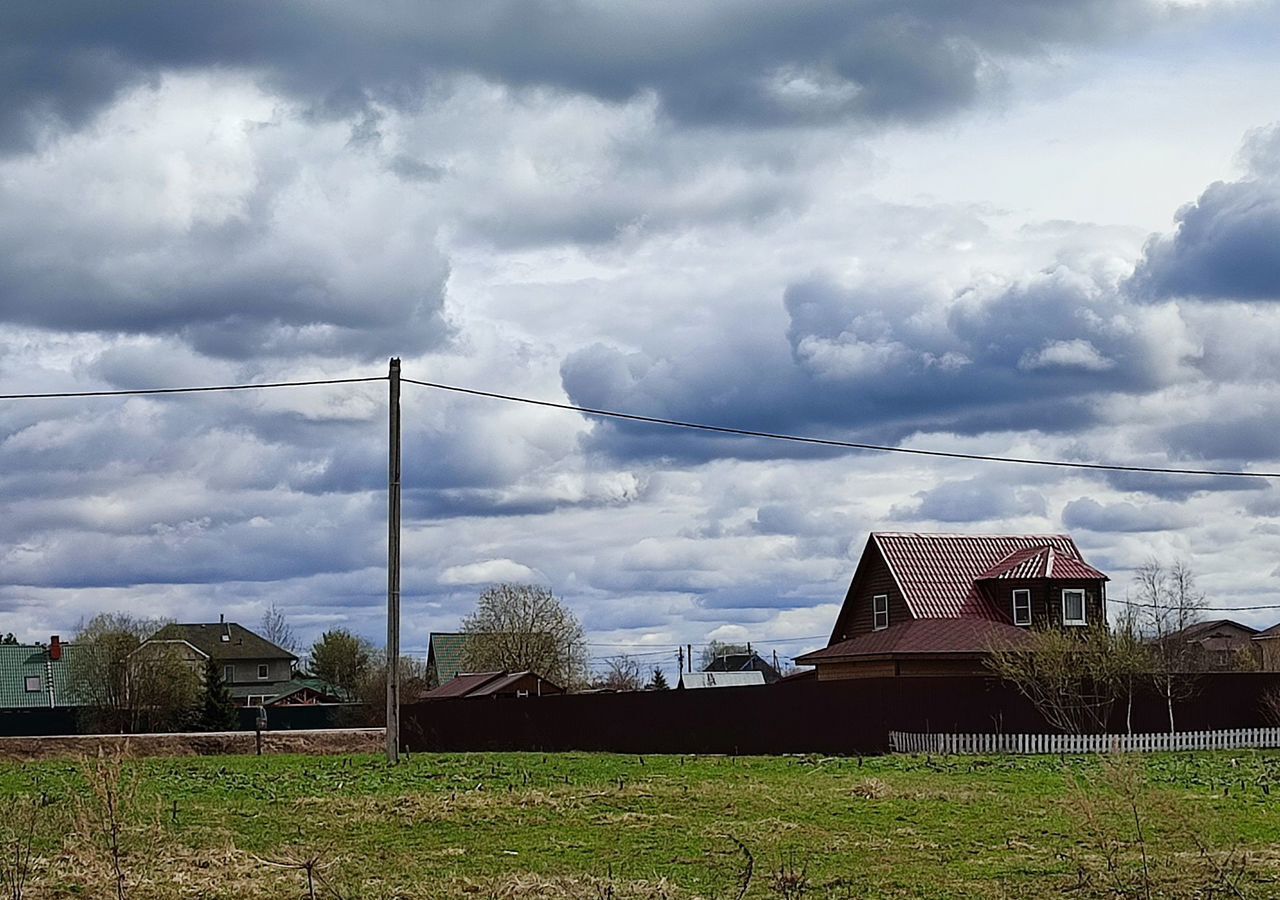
(605, 826)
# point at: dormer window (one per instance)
(880, 612)
(1073, 607)
(1022, 607)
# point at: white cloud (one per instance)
(1074, 354)
(490, 571)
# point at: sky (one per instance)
(1032, 229)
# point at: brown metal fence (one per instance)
(806, 716)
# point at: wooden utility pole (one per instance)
(393, 569)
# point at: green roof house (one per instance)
(33, 676)
(444, 658)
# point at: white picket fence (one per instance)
(1234, 739)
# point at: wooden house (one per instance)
(937, 604)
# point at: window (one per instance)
(256, 700)
(880, 612)
(33, 684)
(1073, 607)
(262, 671)
(1022, 607)
(228, 674)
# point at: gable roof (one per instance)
(462, 685)
(446, 651)
(965, 637)
(18, 661)
(1268, 633)
(1040, 562)
(938, 573)
(744, 662)
(241, 643)
(1198, 630)
(508, 681)
(328, 693)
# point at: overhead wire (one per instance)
(652, 420)
(1137, 604)
(833, 442)
(202, 389)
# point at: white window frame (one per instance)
(264, 671)
(878, 601)
(1024, 594)
(1083, 620)
(26, 683)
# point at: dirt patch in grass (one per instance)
(327, 741)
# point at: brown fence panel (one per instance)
(805, 716)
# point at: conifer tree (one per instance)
(219, 711)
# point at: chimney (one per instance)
(222, 618)
(55, 649)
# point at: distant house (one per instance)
(494, 684)
(698, 680)
(1268, 643)
(254, 669)
(1222, 645)
(445, 652)
(33, 676)
(937, 604)
(744, 662)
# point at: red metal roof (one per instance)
(1040, 562)
(462, 685)
(937, 573)
(506, 682)
(961, 636)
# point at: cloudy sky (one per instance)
(1043, 229)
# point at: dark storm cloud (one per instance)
(747, 61)
(877, 363)
(1227, 243)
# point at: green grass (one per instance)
(604, 825)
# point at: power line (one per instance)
(1197, 608)
(832, 442)
(204, 389)
(653, 420)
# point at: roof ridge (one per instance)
(972, 534)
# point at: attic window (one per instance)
(1022, 607)
(880, 612)
(225, 638)
(33, 684)
(1073, 607)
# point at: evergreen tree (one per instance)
(219, 711)
(658, 682)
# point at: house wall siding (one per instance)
(1046, 599)
(856, 614)
(246, 670)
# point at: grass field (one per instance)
(602, 826)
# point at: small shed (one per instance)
(495, 684)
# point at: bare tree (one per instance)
(1168, 602)
(1073, 680)
(623, 674)
(716, 649)
(276, 629)
(515, 627)
(128, 685)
